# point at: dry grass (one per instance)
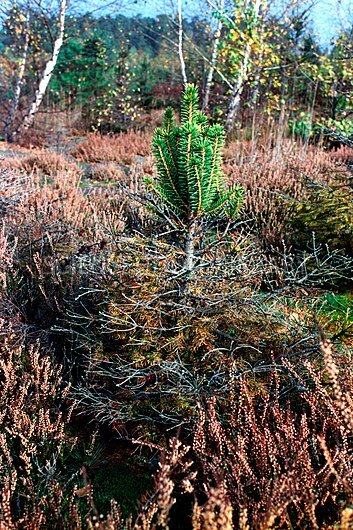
(107, 171)
(283, 466)
(32, 438)
(52, 227)
(271, 452)
(275, 180)
(268, 466)
(121, 148)
(43, 162)
(343, 155)
(31, 139)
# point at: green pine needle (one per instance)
(188, 157)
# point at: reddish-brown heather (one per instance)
(53, 226)
(123, 148)
(275, 454)
(107, 171)
(275, 181)
(43, 162)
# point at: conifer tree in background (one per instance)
(189, 179)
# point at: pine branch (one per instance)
(189, 165)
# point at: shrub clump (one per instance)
(328, 213)
(122, 148)
(43, 162)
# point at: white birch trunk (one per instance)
(19, 82)
(47, 74)
(239, 83)
(216, 39)
(180, 44)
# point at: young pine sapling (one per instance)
(190, 181)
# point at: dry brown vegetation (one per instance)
(230, 383)
(42, 162)
(275, 180)
(260, 464)
(122, 148)
(110, 171)
(176, 288)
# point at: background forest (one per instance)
(176, 266)
(114, 69)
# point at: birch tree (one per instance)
(180, 43)
(250, 11)
(33, 108)
(214, 55)
(10, 118)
